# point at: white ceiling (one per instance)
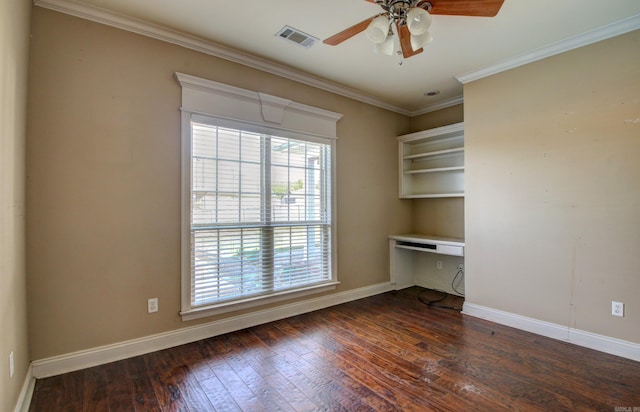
(462, 45)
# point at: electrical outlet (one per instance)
(152, 305)
(438, 264)
(11, 365)
(617, 309)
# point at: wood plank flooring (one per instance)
(384, 353)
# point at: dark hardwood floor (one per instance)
(383, 353)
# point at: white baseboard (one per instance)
(613, 346)
(24, 400)
(109, 353)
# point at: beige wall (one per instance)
(104, 185)
(442, 117)
(553, 188)
(14, 56)
(443, 217)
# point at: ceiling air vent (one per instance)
(296, 36)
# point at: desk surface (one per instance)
(419, 238)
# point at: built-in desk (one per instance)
(408, 267)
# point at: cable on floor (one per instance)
(453, 282)
(435, 303)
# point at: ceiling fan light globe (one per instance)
(418, 21)
(378, 29)
(419, 41)
(387, 47)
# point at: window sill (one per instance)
(226, 307)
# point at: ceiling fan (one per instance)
(411, 19)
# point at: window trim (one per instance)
(222, 105)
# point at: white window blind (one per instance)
(260, 214)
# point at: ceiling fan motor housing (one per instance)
(398, 9)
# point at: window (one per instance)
(260, 215)
(257, 201)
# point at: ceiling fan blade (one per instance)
(478, 8)
(405, 41)
(348, 33)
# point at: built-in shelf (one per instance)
(432, 163)
(433, 195)
(435, 169)
(436, 153)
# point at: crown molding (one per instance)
(601, 33)
(123, 22)
(454, 101)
